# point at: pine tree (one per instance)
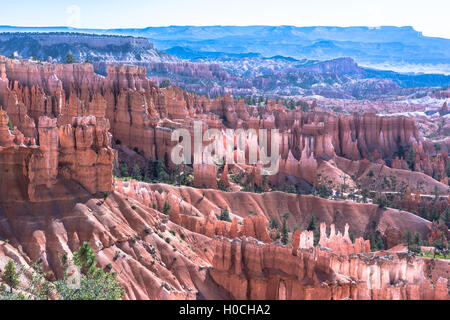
(425, 212)
(10, 275)
(316, 237)
(445, 217)
(312, 224)
(10, 126)
(417, 239)
(70, 58)
(373, 244)
(352, 237)
(164, 84)
(136, 172)
(379, 243)
(286, 215)
(381, 201)
(325, 191)
(95, 284)
(284, 233)
(408, 238)
(411, 158)
(439, 246)
(274, 224)
(378, 238)
(85, 259)
(434, 214)
(160, 171)
(166, 207)
(436, 194)
(177, 175)
(123, 168)
(150, 170)
(225, 215)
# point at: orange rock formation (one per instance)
(58, 158)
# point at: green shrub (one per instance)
(116, 255)
(274, 224)
(10, 275)
(166, 207)
(325, 191)
(225, 215)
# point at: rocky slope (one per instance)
(142, 117)
(158, 256)
(250, 270)
(57, 128)
(382, 47)
(214, 73)
(54, 46)
(186, 202)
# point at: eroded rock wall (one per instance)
(248, 269)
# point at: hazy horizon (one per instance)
(430, 18)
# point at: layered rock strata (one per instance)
(248, 269)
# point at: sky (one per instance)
(428, 16)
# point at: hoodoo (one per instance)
(350, 212)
